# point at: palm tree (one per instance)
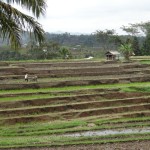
(13, 22)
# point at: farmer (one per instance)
(26, 77)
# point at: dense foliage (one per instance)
(81, 46)
(78, 46)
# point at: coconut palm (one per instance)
(13, 22)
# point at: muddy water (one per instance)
(109, 132)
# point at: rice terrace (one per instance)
(75, 104)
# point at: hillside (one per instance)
(74, 103)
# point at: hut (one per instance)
(112, 55)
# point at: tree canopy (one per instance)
(13, 22)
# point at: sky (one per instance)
(88, 16)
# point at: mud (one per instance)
(70, 107)
(76, 114)
(71, 99)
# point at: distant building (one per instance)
(112, 55)
(90, 57)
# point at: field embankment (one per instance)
(73, 98)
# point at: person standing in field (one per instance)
(26, 77)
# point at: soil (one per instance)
(80, 69)
(70, 110)
(68, 99)
(69, 107)
(136, 145)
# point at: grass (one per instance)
(138, 89)
(9, 142)
(63, 79)
(68, 129)
(76, 125)
(145, 61)
(33, 97)
(57, 103)
(76, 112)
(121, 120)
(122, 86)
(54, 60)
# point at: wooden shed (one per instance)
(112, 55)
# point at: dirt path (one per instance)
(143, 145)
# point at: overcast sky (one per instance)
(87, 16)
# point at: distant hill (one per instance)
(68, 39)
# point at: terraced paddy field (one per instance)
(75, 105)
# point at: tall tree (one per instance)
(144, 27)
(136, 47)
(13, 22)
(146, 45)
(108, 39)
(133, 30)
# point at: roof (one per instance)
(113, 52)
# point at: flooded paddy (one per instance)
(109, 132)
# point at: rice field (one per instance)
(73, 98)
